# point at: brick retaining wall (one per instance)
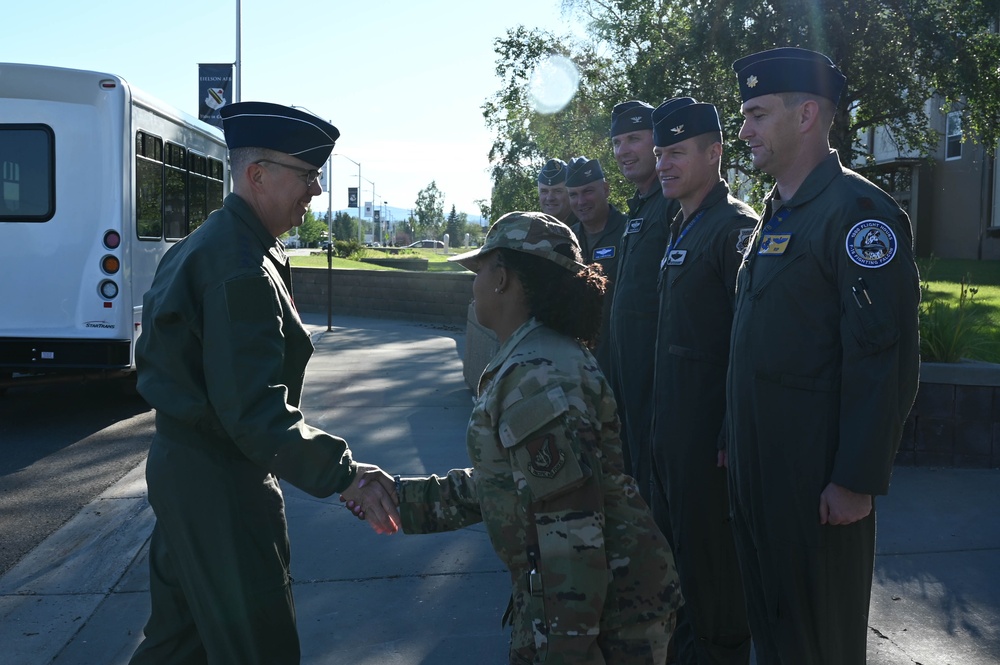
(955, 420)
(408, 296)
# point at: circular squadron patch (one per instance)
(871, 243)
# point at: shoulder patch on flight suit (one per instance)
(531, 414)
(871, 243)
(250, 299)
(743, 240)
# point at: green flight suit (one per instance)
(690, 498)
(823, 371)
(633, 325)
(604, 248)
(221, 358)
(593, 579)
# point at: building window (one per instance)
(953, 136)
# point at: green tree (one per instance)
(345, 226)
(312, 230)
(454, 229)
(897, 55)
(429, 211)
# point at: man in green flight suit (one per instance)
(221, 358)
(823, 369)
(553, 198)
(634, 306)
(599, 233)
(696, 287)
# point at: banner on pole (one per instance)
(352, 197)
(215, 86)
(368, 208)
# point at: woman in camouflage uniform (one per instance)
(593, 579)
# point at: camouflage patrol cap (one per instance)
(530, 232)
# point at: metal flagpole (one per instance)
(238, 88)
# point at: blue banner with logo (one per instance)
(215, 89)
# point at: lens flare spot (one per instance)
(552, 84)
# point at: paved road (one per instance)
(60, 447)
(395, 391)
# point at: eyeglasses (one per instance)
(308, 176)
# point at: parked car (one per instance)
(427, 244)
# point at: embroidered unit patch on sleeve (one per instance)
(546, 458)
(871, 243)
(743, 241)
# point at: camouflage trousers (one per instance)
(638, 644)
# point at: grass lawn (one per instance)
(437, 260)
(972, 323)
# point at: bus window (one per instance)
(27, 173)
(148, 186)
(216, 172)
(175, 193)
(198, 192)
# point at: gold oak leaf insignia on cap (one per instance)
(752, 81)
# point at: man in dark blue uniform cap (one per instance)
(822, 373)
(696, 285)
(633, 309)
(552, 197)
(599, 232)
(635, 304)
(221, 358)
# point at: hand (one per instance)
(372, 496)
(839, 505)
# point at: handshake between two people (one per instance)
(372, 497)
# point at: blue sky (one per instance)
(403, 80)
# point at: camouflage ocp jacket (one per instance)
(584, 554)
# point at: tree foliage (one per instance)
(901, 58)
(345, 226)
(429, 211)
(312, 230)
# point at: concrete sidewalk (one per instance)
(395, 391)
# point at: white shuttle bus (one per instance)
(97, 181)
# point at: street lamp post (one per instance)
(361, 239)
(373, 206)
(329, 232)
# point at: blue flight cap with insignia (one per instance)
(583, 171)
(665, 109)
(788, 69)
(281, 128)
(683, 121)
(631, 116)
(553, 173)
